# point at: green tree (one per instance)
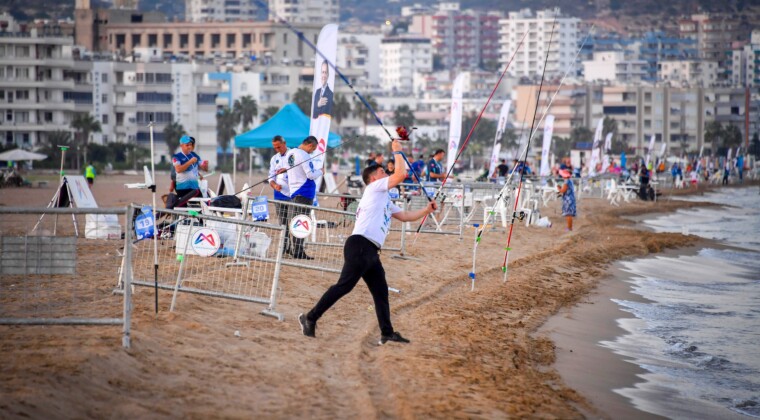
(246, 108)
(404, 116)
(609, 125)
(481, 140)
(84, 124)
(714, 133)
(302, 98)
(581, 135)
(50, 147)
(226, 121)
(732, 136)
(172, 133)
(268, 113)
(362, 111)
(562, 146)
(341, 108)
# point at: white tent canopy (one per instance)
(21, 154)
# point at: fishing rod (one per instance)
(527, 147)
(472, 129)
(366, 104)
(515, 215)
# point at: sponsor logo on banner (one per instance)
(301, 226)
(205, 242)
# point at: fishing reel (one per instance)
(519, 215)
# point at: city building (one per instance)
(614, 66)
(689, 72)
(220, 10)
(714, 35)
(269, 42)
(401, 57)
(90, 24)
(313, 12)
(744, 63)
(460, 39)
(536, 32)
(35, 85)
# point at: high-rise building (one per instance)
(530, 56)
(220, 10)
(744, 63)
(400, 58)
(318, 12)
(714, 35)
(460, 39)
(614, 66)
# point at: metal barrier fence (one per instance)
(450, 218)
(213, 256)
(51, 274)
(322, 249)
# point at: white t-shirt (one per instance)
(277, 162)
(301, 179)
(373, 216)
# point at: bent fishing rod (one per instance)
(364, 102)
(472, 129)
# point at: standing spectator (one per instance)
(503, 168)
(89, 173)
(740, 167)
(435, 168)
(279, 183)
(370, 160)
(390, 167)
(303, 189)
(568, 198)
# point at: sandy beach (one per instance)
(474, 354)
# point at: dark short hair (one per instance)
(439, 151)
(278, 138)
(368, 171)
(310, 140)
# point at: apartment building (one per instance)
(400, 58)
(220, 10)
(461, 39)
(713, 34)
(614, 66)
(689, 72)
(316, 12)
(537, 31)
(744, 63)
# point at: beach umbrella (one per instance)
(21, 154)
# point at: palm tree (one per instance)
(302, 98)
(403, 116)
(247, 109)
(363, 112)
(268, 113)
(341, 108)
(226, 121)
(85, 124)
(172, 134)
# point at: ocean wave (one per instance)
(747, 407)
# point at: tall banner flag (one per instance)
(662, 150)
(649, 151)
(595, 147)
(324, 84)
(500, 127)
(455, 121)
(608, 142)
(548, 130)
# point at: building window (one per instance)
(48, 117)
(104, 98)
(104, 119)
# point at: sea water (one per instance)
(697, 331)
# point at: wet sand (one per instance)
(473, 354)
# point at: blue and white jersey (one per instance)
(301, 178)
(433, 167)
(277, 162)
(187, 180)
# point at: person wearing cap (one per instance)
(567, 190)
(187, 163)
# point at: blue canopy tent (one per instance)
(289, 122)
